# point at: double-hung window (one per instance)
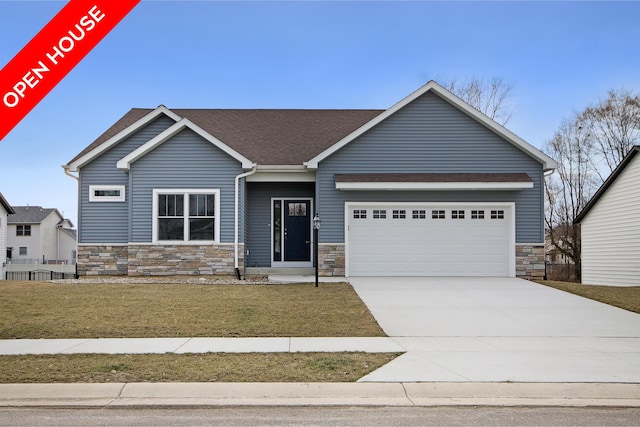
(186, 216)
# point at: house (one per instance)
(40, 235)
(429, 186)
(5, 210)
(610, 227)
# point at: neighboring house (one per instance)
(5, 210)
(428, 187)
(40, 235)
(610, 226)
(555, 253)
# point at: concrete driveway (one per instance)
(499, 329)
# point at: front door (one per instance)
(291, 240)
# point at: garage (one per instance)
(420, 239)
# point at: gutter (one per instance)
(237, 213)
(66, 172)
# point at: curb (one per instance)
(130, 395)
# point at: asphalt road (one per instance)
(323, 416)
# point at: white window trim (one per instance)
(186, 192)
(94, 198)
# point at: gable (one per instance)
(431, 135)
(458, 107)
(169, 133)
(620, 189)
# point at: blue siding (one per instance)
(186, 161)
(259, 216)
(108, 222)
(430, 136)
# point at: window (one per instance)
(437, 214)
(497, 214)
(23, 250)
(297, 209)
(23, 230)
(106, 193)
(457, 214)
(360, 214)
(379, 214)
(477, 214)
(186, 215)
(399, 214)
(419, 214)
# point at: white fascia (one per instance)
(416, 186)
(139, 124)
(125, 163)
(547, 162)
(282, 173)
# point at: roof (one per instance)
(30, 214)
(5, 204)
(267, 137)
(282, 137)
(605, 186)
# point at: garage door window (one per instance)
(379, 214)
(360, 214)
(419, 214)
(437, 214)
(477, 214)
(399, 214)
(457, 214)
(498, 214)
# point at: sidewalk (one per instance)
(198, 345)
(131, 395)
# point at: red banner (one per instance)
(52, 53)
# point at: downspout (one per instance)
(237, 220)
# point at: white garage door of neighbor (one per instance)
(429, 240)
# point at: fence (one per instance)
(39, 275)
(561, 272)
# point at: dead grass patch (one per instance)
(209, 367)
(47, 310)
(626, 297)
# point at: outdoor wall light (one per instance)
(316, 227)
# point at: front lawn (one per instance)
(209, 367)
(47, 310)
(627, 297)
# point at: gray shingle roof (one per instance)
(30, 214)
(267, 137)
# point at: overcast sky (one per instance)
(560, 57)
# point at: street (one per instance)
(323, 416)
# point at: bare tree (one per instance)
(614, 128)
(489, 96)
(570, 188)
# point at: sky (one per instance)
(560, 57)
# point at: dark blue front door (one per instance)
(297, 230)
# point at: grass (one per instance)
(626, 297)
(209, 367)
(46, 310)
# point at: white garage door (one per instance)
(430, 240)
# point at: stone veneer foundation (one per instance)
(331, 259)
(157, 260)
(530, 261)
(167, 260)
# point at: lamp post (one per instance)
(316, 227)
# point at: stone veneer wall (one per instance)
(530, 261)
(167, 260)
(157, 260)
(331, 259)
(107, 260)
